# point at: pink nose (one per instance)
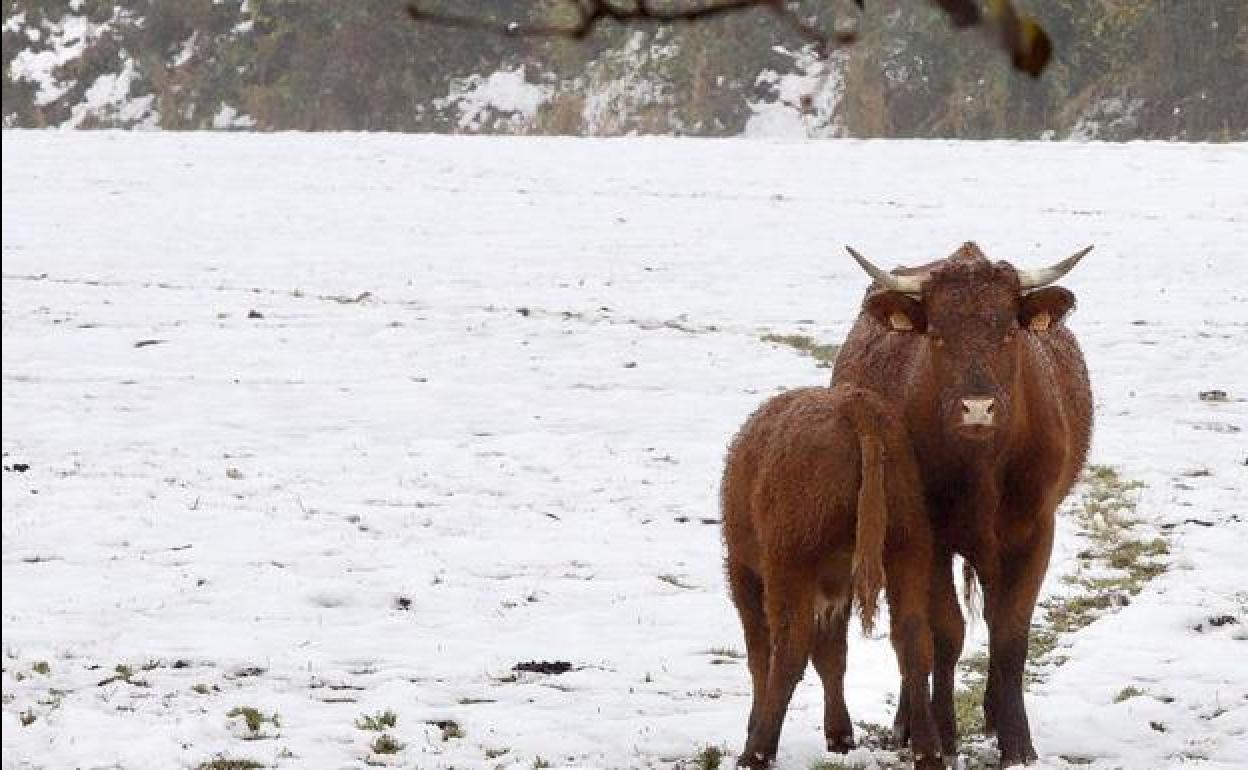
(978, 411)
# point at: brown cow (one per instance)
(822, 504)
(995, 397)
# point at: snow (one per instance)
(110, 96)
(228, 117)
(67, 39)
(802, 104)
(494, 377)
(504, 94)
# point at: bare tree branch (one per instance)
(590, 12)
(1020, 36)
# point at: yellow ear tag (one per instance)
(900, 322)
(1040, 322)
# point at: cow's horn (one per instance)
(1034, 279)
(906, 284)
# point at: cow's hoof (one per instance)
(929, 762)
(841, 744)
(755, 760)
(1015, 756)
(900, 736)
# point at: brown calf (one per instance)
(822, 505)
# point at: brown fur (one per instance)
(991, 492)
(822, 506)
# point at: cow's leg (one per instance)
(790, 613)
(747, 594)
(1009, 599)
(829, 659)
(948, 633)
(908, 596)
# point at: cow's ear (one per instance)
(1044, 308)
(899, 312)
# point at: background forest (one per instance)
(1122, 69)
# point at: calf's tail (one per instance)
(872, 524)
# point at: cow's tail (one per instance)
(872, 524)
(971, 592)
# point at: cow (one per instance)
(822, 505)
(977, 359)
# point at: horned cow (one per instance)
(993, 391)
(822, 505)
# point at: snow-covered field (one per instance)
(328, 425)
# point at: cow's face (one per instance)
(973, 320)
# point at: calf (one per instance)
(822, 505)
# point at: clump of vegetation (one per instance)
(449, 727)
(539, 763)
(224, 763)
(123, 673)
(1124, 558)
(254, 721)
(384, 744)
(709, 758)
(27, 718)
(1127, 693)
(42, 667)
(380, 722)
(824, 354)
(724, 652)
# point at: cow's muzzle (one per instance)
(978, 412)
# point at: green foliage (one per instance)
(709, 758)
(254, 720)
(384, 744)
(384, 720)
(223, 763)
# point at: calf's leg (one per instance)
(790, 609)
(747, 594)
(829, 660)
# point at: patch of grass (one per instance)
(709, 758)
(224, 763)
(539, 763)
(968, 700)
(874, 735)
(379, 722)
(27, 718)
(449, 727)
(1127, 693)
(384, 744)
(123, 673)
(254, 720)
(675, 580)
(1124, 558)
(825, 355)
(724, 652)
(42, 667)
(495, 753)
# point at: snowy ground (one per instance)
(477, 418)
